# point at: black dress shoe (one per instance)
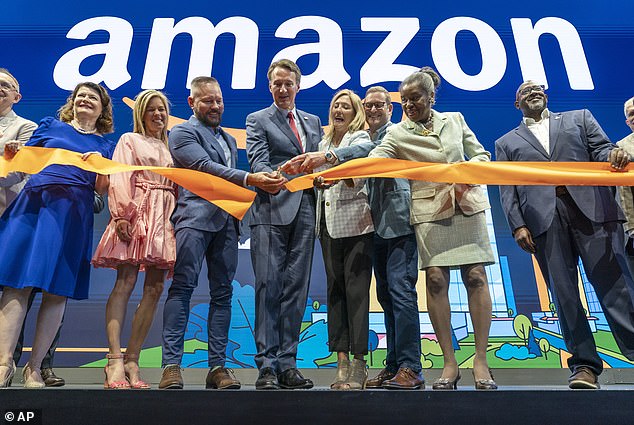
(52, 380)
(267, 380)
(292, 379)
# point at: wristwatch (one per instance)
(330, 157)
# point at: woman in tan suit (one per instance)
(449, 219)
(345, 230)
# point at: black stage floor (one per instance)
(89, 404)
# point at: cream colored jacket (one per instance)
(451, 141)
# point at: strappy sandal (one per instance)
(140, 384)
(116, 385)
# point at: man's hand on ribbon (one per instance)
(271, 182)
(618, 158)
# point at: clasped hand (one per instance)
(11, 148)
(304, 163)
(618, 159)
(271, 182)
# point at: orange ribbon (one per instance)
(497, 173)
(232, 198)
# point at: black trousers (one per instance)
(348, 263)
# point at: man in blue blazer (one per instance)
(282, 230)
(204, 231)
(561, 224)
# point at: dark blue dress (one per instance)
(46, 233)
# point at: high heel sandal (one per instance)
(29, 382)
(140, 384)
(485, 384)
(446, 383)
(116, 385)
(6, 383)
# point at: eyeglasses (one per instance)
(378, 105)
(528, 90)
(7, 87)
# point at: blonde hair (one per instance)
(104, 124)
(357, 123)
(141, 102)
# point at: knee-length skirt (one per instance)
(454, 241)
(46, 240)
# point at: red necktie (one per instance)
(291, 122)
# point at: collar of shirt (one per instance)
(380, 132)
(545, 115)
(9, 115)
(286, 111)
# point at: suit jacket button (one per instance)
(327, 204)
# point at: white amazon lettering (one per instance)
(380, 65)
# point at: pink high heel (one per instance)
(140, 384)
(116, 385)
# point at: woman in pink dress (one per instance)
(139, 235)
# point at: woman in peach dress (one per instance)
(139, 236)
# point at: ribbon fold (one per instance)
(233, 199)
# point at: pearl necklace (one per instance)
(77, 127)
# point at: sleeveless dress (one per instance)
(146, 200)
(46, 233)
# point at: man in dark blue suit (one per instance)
(561, 224)
(204, 231)
(282, 230)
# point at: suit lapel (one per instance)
(232, 148)
(526, 134)
(439, 121)
(212, 140)
(312, 138)
(281, 122)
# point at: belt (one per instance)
(561, 191)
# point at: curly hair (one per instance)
(104, 124)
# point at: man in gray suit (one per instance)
(395, 256)
(204, 231)
(626, 193)
(282, 230)
(561, 224)
(15, 131)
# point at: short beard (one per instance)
(206, 121)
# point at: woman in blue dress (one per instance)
(46, 234)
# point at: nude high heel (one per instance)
(6, 383)
(30, 382)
